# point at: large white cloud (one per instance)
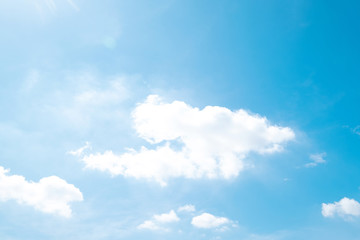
(207, 220)
(344, 208)
(50, 195)
(191, 143)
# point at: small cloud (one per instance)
(80, 151)
(316, 159)
(167, 217)
(344, 208)
(187, 208)
(150, 225)
(207, 220)
(158, 220)
(356, 130)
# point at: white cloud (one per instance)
(50, 195)
(191, 143)
(316, 159)
(167, 217)
(344, 208)
(159, 220)
(207, 220)
(150, 225)
(187, 208)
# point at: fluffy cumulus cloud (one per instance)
(207, 220)
(316, 159)
(191, 142)
(204, 221)
(158, 220)
(50, 195)
(344, 208)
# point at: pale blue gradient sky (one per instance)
(73, 71)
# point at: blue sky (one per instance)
(179, 120)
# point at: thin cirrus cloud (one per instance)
(344, 208)
(50, 195)
(191, 143)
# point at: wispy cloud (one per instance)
(80, 151)
(316, 159)
(86, 98)
(187, 208)
(356, 130)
